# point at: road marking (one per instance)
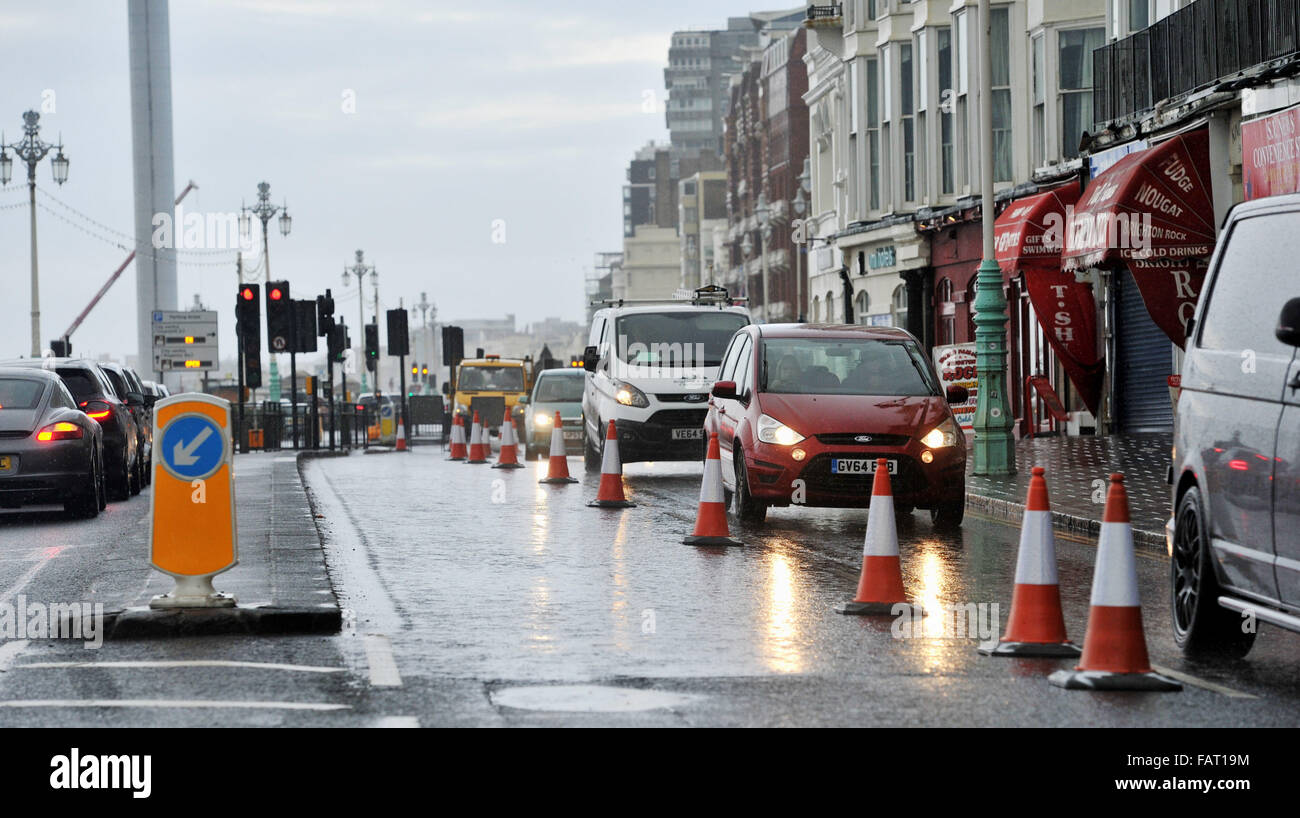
(9, 651)
(174, 703)
(1195, 682)
(42, 559)
(379, 656)
(185, 663)
(397, 721)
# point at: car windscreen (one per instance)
(845, 366)
(560, 388)
(20, 393)
(680, 339)
(83, 385)
(491, 379)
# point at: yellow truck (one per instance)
(479, 381)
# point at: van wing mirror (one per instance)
(590, 359)
(725, 390)
(1288, 323)
(958, 393)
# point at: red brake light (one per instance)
(97, 409)
(59, 431)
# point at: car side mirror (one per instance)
(1288, 323)
(134, 399)
(150, 400)
(725, 390)
(590, 359)
(958, 394)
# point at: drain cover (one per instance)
(588, 698)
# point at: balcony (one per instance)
(829, 15)
(1197, 47)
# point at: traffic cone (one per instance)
(509, 458)
(610, 494)
(1036, 626)
(557, 469)
(457, 438)
(477, 451)
(880, 586)
(1114, 649)
(401, 434)
(711, 518)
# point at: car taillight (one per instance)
(59, 431)
(97, 409)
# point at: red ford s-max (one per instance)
(803, 411)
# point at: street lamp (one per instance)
(264, 210)
(800, 207)
(32, 150)
(360, 269)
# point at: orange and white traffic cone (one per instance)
(457, 438)
(1036, 626)
(557, 469)
(509, 458)
(477, 450)
(1114, 648)
(401, 435)
(880, 586)
(610, 494)
(711, 518)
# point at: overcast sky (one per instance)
(464, 113)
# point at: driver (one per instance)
(787, 376)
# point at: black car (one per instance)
(95, 395)
(131, 390)
(50, 450)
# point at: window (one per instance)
(906, 77)
(845, 366)
(886, 85)
(943, 40)
(960, 55)
(1243, 303)
(1075, 71)
(873, 133)
(1037, 80)
(898, 306)
(947, 325)
(863, 304)
(743, 367)
(1000, 51)
(817, 309)
(20, 393)
(1139, 15)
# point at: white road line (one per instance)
(9, 651)
(185, 663)
(1195, 682)
(379, 656)
(397, 721)
(174, 703)
(42, 558)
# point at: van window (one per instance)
(682, 338)
(1244, 304)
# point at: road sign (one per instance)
(184, 339)
(192, 533)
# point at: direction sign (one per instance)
(184, 339)
(192, 532)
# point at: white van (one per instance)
(650, 367)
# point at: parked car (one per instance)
(131, 389)
(96, 396)
(555, 390)
(803, 412)
(50, 451)
(1234, 535)
(651, 366)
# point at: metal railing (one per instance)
(1199, 45)
(827, 12)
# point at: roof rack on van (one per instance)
(709, 294)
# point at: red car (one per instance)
(803, 411)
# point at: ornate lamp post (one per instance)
(800, 207)
(31, 150)
(360, 269)
(264, 210)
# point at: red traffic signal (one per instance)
(275, 294)
(247, 294)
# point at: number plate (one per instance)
(688, 434)
(8, 464)
(859, 466)
(573, 434)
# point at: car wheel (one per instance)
(135, 478)
(85, 504)
(590, 456)
(948, 516)
(102, 477)
(747, 508)
(1202, 627)
(903, 508)
(120, 487)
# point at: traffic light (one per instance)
(399, 340)
(337, 342)
(372, 347)
(61, 347)
(248, 325)
(453, 345)
(324, 314)
(279, 316)
(415, 373)
(304, 326)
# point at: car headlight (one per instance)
(771, 430)
(629, 395)
(941, 436)
(541, 419)
(461, 408)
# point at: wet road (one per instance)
(476, 596)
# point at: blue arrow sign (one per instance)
(193, 447)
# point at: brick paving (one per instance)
(1073, 465)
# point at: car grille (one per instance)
(817, 475)
(678, 418)
(848, 439)
(683, 397)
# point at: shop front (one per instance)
(880, 262)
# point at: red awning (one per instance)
(1154, 204)
(1028, 238)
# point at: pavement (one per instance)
(1077, 470)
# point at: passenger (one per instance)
(787, 376)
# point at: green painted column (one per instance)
(995, 444)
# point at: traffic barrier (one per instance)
(557, 469)
(711, 516)
(1114, 647)
(457, 438)
(509, 458)
(1036, 626)
(610, 494)
(880, 586)
(192, 532)
(477, 449)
